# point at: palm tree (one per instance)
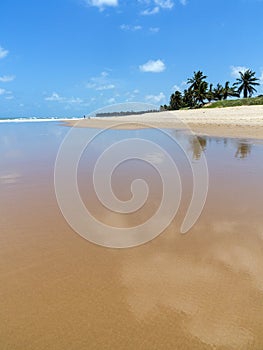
(229, 91)
(198, 87)
(200, 93)
(246, 83)
(196, 80)
(163, 108)
(188, 99)
(176, 101)
(218, 92)
(210, 94)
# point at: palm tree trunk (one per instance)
(245, 93)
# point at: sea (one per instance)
(34, 119)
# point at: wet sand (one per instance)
(202, 290)
(238, 122)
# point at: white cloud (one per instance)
(3, 52)
(54, 97)
(130, 27)
(100, 82)
(111, 100)
(183, 2)
(261, 78)
(105, 87)
(102, 3)
(155, 98)
(180, 87)
(131, 95)
(5, 92)
(151, 66)
(154, 29)
(90, 85)
(74, 100)
(236, 69)
(7, 78)
(10, 97)
(176, 88)
(165, 4)
(149, 12)
(154, 6)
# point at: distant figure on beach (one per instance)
(84, 117)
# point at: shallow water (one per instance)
(200, 290)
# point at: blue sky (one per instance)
(70, 57)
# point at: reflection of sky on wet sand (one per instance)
(202, 290)
(24, 145)
(214, 284)
(9, 178)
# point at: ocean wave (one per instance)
(34, 119)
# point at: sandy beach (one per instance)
(237, 122)
(200, 290)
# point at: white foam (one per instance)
(34, 120)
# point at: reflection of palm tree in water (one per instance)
(198, 145)
(243, 150)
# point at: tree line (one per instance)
(201, 92)
(124, 113)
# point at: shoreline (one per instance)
(234, 122)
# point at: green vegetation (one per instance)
(199, 95)
(239, 102)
